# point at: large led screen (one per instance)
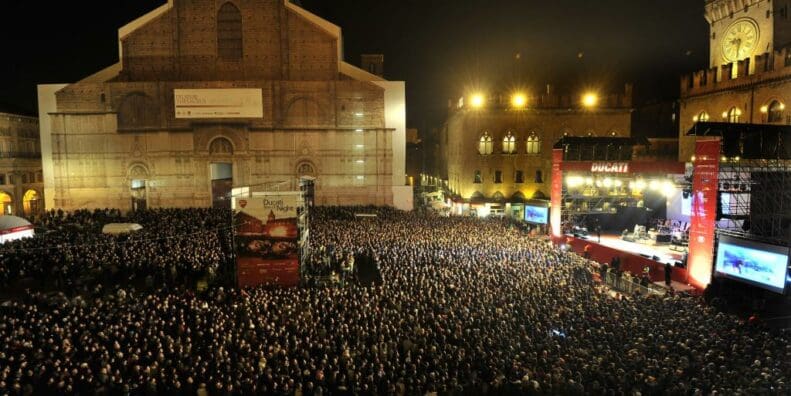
(755, 263)
(536, 214)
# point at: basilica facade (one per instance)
(213, 95)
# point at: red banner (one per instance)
(267, 249)
(556, 194)
(705, 181)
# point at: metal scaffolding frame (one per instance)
(755, 196)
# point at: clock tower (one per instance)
(740, 29)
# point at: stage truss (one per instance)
(755, 199)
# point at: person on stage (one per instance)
(668, 272)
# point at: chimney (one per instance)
(373, 63)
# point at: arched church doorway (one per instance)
(306, 174)
(137, 187)
(221, 172)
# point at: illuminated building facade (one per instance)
(749, 74)
(20, 165)
(211, 95)
(496, 150)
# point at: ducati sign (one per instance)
(610, 167)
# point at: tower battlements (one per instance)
(768, 66)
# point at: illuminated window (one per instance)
(775, 112)
(485, 144)
(518, 177)
(703, 117)
(533, 144)
(498, 176)
(478, 178)
(509, 143)
(734, 114)
(229, 32)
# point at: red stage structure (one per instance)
(611, 161)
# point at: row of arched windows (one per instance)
(774, 113)
(509, 144)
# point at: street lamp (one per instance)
(518, 100)
(477, 100)
(590, 99)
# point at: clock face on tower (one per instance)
(739, 40)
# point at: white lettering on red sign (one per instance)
(610, 167)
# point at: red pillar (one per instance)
(556, 194)
(704, 211)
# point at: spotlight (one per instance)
(654, 185)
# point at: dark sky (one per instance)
(439, 47)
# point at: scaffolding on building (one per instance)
(754, 193)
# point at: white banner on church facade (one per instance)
(218, 103)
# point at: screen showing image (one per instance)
(755, 263)
(536, 214)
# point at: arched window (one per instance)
(477, 178)
(701, 117)
(485, 144)
(509, 143)
(775, 111)
(221, 145)
(733, 115)
(229, 32)
(533, 144)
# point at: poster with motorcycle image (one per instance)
(266, 240)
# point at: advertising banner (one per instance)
(266, 240)
(218, 103)
(705, 187)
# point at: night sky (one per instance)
(441, 48)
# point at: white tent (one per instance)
(120, 228)
(13, 227)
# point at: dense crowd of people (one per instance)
(172, 246)
(466, 306)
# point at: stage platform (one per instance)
(663, 251)
(635, 257)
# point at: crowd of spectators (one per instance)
(467, 306)
(174, 245)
